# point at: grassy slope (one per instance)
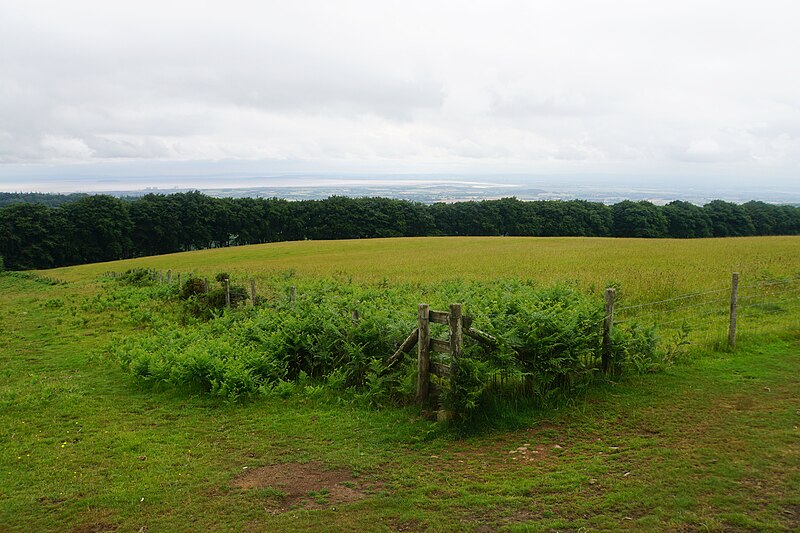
(711, 444)
(650, 267)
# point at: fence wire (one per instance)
(704, 317)
(698, 318)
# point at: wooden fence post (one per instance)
(423, 354)
(734, 305)
(179, 279)
(356, 315)
(169, 277)
(456, 323)
(227, 292)
(252, 292)
(292, 293)
(205, 285)
(608, 324)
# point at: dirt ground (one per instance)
(309, 485)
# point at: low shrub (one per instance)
(548, 342)
(204, 302)
(137, 276)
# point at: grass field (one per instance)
(647, 268)
(711, 443)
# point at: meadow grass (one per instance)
(646, 268)
(708, 444)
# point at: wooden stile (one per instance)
(404, 348)
(481, 336)
(425, 345)
(456, 331)
(438, 317)
(441, 346)
(440, 369)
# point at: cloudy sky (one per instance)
(695, 90)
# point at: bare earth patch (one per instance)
(94, 521)
(309, 485)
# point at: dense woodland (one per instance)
(102, 228)
(46, 198)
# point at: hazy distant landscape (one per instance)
(463, 191)
(434, 188)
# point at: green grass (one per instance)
(709, 444)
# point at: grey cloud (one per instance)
(110, 148)
(689, 85)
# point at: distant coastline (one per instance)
(430, 190)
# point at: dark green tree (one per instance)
(638, 219)
(29, 236)
(728, 219)
(788, 220)
(766, 218)
(98, 228)
(156, 225)
(686, 221)
(516, 217)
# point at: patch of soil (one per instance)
(484, 522)
(96, 527)
(408, 525)
(508, 452)
(310, 485)
(791, 514)
(95, 520)
(50, 500)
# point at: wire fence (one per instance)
(704, 317)
(698, 318)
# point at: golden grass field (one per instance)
(645, 268)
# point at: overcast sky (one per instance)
(706, 90)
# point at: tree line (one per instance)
(103, 228)
(46, 198)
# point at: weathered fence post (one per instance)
(179, 279)
(227, 292)
(608, 324)
(252, 292)
(205, 284)
(356, 315)
(456, 323)
(292, 293)
(734, 305)
(169, 277)
(423, 354)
